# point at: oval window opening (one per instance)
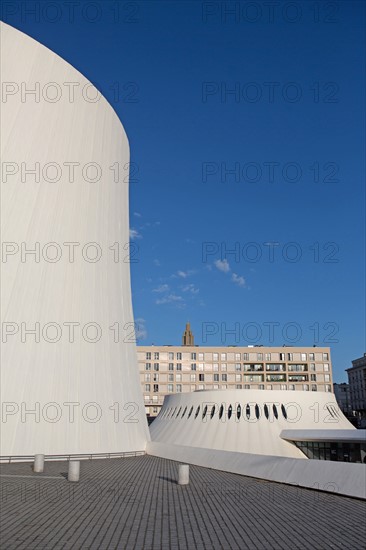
(171, 416)
(197, 411)
(221, 411)
(266, 412)
(184, 412)
(204, 412)
(238, 412)
(229, 412)
(283, 409)
(257, 411)
(247, 411)
(190, 412)
(213, 411)
(178, 413)
(275, 411)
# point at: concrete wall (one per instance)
(84, 387)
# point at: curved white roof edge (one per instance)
(69, 382)
(242, 431)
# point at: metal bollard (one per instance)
(38, 465)
(74, 470)
(183, 474)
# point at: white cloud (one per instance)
(134, 234)
(156, 262)
(137, 214)
(238, 279)
(161, 288)
(190, 288)
(184, 274)
(140, 329)
(170, 298)
(222, 265)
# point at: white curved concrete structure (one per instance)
(252, 432)
(72, 385)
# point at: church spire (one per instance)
(188, 338)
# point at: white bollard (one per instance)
(74, 470)
(38, 465)
(183, 474)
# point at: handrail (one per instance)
(87, 456)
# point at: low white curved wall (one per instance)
(253, 446)
(77, 391)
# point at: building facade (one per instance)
(166, 370)
(65, 387)
(343, 396)
(357, 384)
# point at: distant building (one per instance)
(357, 383)
(166, 369)
(343, 397)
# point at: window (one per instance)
(178, 377)
(155, 410)
(221, 412)
(326, 367)
(193, 366)
(223, 357)
(179, 356)
(291, 386)
(155, 398)
(171, 356)
(266, 412)
(229, 412)
(305, 387)
(147, 377)
(148, 366)
(156, 366)
(179, 366)
(193, 377)
(171, 377)
(326, 377)
(201, 357)
(238, 386)
(156, 355)
(197, 411)
(193, 356)
(224, 377)
(216, 378)
(212, 411)
(290, 357)
(216, 366)
(179, 388)
(156, 378)
(147, 387)
(312, 366)
(223, 366)
(303, 357)
(283, 387)
(171, 366)
(313, 387)
(156, 388)
(237, 366)
(261, 386)
(237, 357)
(284, 413)
(148, 355)
(247, 386)
(200, 366)
(268, 356)
(184, 412)
(325, 357)
(238, 412)
(247, 411)
(215, 387)
(190, 412)
(238, 378)
(275, 411)
(223, 386)
(311, 356)
(269, 387)
(201, 377)
(260, 356)
(282, 356)
(246, 356)
(257, 412)
(313, 377)
(204, 412)
(215, 356)
(170, 388)
(178, 413)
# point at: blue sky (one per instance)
(277, 98)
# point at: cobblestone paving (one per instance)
(135, 503)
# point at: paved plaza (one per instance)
(135, 503)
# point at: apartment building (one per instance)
(357, 385)
(187, 368)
